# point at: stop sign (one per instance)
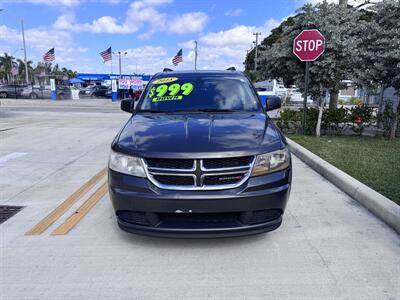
(309, 45)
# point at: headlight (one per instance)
(126, 164)
(271, 162)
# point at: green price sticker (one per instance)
(174, 91)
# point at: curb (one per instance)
(379, 205)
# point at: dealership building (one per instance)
(124, 80)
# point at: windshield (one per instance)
(189, 93)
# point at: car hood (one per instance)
(198, 135)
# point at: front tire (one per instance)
(33, 96)
(3, 95)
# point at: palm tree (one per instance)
(5, 66)
(21, 68)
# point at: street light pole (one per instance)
(256, 53)
(120, 61)
(25, 61)
(195, 55)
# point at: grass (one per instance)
(373, 161)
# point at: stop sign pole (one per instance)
(308, 46)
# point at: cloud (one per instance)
(147, 59)
(37, 38)
(105, 24)
(188, 23)
(138, 14)
(146, 53)
(240, 35)
(40, 40)
(233, 12)
(225, 48)
(350, 2)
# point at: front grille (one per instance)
(199, 220)
(199, 174)
(135, 217)
(170, 163)
(234, 162)
(175, 180)
(265, 215)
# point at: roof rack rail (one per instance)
(167, 70)
(231, 69)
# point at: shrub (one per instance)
(311, 120)
(361, 117)
(386, 118)
(291, 120)
(334, 120)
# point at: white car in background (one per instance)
(295, 96)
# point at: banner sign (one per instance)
(127, 83)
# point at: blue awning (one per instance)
(101, 77)
(76, 80)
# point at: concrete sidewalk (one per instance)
(328, 247)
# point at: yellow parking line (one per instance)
(70, 223)
(67, 204)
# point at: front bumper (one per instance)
(256, 206)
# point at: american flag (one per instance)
(177, 58)
(49, 55)
(106, 55)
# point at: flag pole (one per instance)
(195, 55)
(111, 64)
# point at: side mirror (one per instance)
(273, 102)
(127, 105)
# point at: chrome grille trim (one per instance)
(246, 170)
(225, 169)
(167, 186)
(192, 169)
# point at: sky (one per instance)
(150, 31)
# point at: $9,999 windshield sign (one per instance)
(174, 91)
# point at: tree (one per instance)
(5, 66)
(380, 52)
(21, 67)
(340, 27)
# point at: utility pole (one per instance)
(25, 61)
(195, 55)
(256, 53)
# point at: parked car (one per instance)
(94, 91)
(11, 90)
(108, 93)
(199, 157)
(297, 97)
(44, 92)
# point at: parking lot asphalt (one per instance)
(328, 247)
